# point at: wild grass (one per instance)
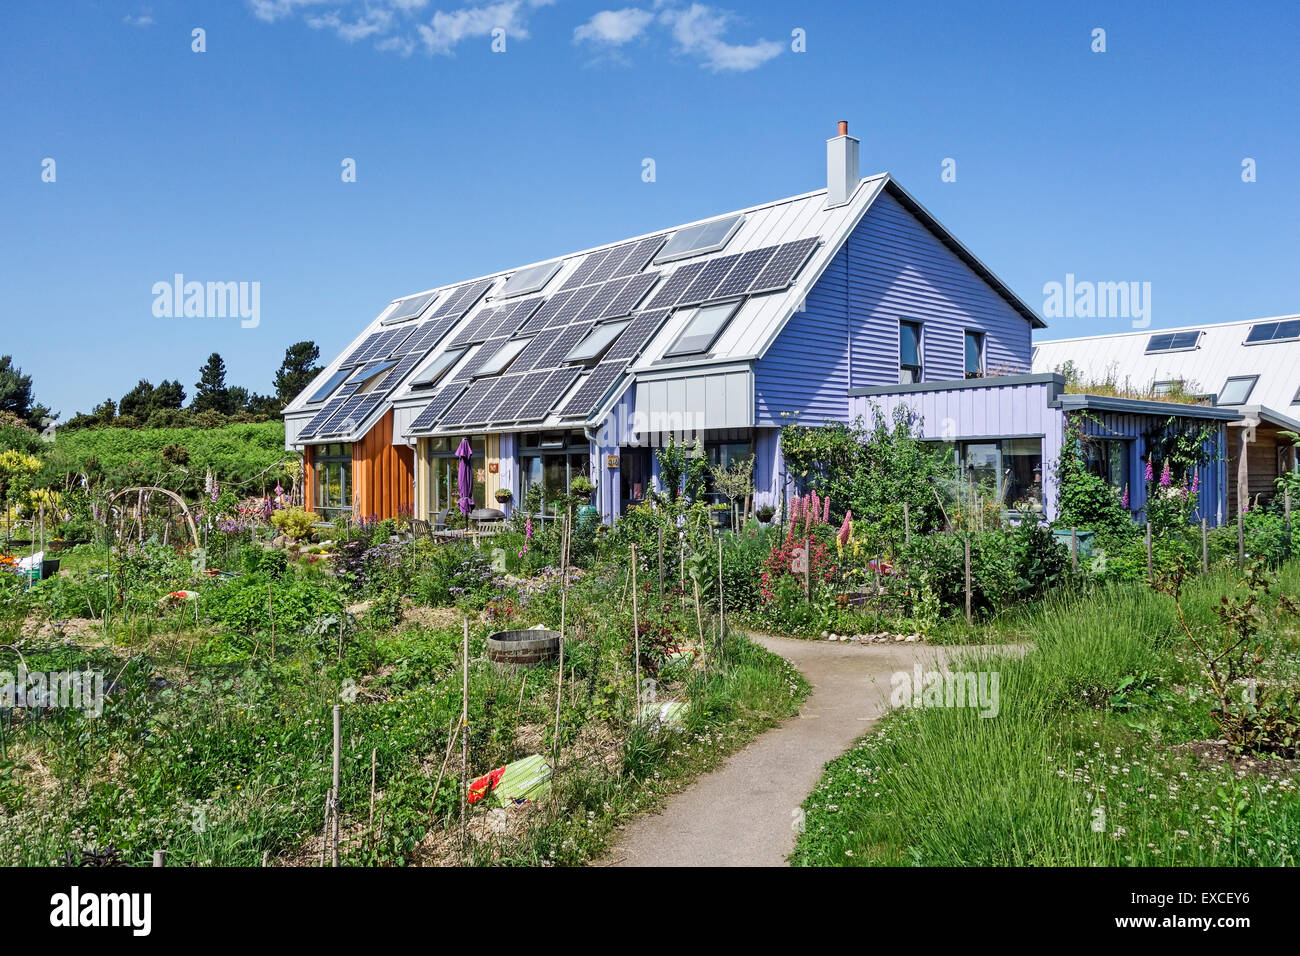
(1082, 764)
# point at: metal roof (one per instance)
(1220, 353)
(745, 338)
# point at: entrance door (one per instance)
(634, 475)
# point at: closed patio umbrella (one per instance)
(464, 479)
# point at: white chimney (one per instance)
(841, 167)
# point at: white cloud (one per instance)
(371, 23)
(272, 10)
(614, 27)
(144, 19)
(698, 31)
(446, 30)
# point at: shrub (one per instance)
(293, 523)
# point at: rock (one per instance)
(825, 635)
(910, 639)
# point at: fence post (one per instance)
(159, 857)
(1205, 545)
(722, 617)
(1150, 568)
(338, 717)
(1241, 539)
(967, 550)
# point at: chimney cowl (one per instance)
(842, 173)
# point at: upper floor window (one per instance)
(1236, 390)
(974, 354)
(909, 352)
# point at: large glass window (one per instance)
(332, 476)
(725, 450)
(1236, 390)
(1010, 468)
(1107, 458)
(909, 352)
(703, 329)
(444, 488)
(550, 461)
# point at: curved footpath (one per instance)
(741, 814)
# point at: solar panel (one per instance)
(562, 343)
(639, 257)
(437, 407)
(519, 314)
(631, 295)
(1172, 341)
(409, 308)
(533, 351)
(530, 279)
(354, 358)
(637, 335)
(605, 294)
(462, 299)
(746, 271)
(785, 265)
(399, 372)
(320, 418)
(617, 256)
(547, 394)
(500, 390)
(697, 240)
(594, 389)
(478, 328)
(542, 317)
(677, 282)
(528, 385)
(465, 405)
(327, 389)
(710, 277)
(345, 413)
(588, 266)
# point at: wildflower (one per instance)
(1166, 479)
(846, 529)
(1150, 471)
(1124, 500)
(1196, 482)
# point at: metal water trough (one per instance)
(523, 648)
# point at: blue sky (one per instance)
(225, 165)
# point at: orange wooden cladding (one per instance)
(383, 474)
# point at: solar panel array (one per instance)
(608, 285)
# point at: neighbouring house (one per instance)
(1251, 367)
(724, 330)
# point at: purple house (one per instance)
(802, 309)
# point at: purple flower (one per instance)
(1196, 482)
(1150, 472)
(1166, 479)
(216, 490)
(1124, 500)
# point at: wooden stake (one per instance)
(374, 754)
(661, 565)
(636, 638)
(722, 617)
(464, 733)
(1205, 545)
(559, 691)
(451, 742)
(338, 739)
(159, 857)
(966, 549)
(907, 525)
(807, 570)
(1150, 563)
(270, 606)
(1241, 539)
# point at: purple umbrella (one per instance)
(464, 480)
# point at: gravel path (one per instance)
(741, 814)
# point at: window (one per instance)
(1108, 459)
(703, 329)
(502, 358)
(909, 352)
(974, 354)
(725, 449)
(444, 491)
(1236, 390)
(697, 240)
(1009, 468)
(332, 477)
(1164, 388)
(430, 376)
(529, 280)
(594, 345)
(406, 309)
(1296, 399)
(549, 461)
(1285, 331)
(331, 383)
(1173, 341)
(368, 375)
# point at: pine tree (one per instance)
(297, 370)
(210, 391)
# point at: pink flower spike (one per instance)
(1196, 482)
(1150, 472)
(1166, 479)
(846, 529)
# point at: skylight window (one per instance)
(1236, 390)
(368, 374)
(430, 376)
(529, 280)
(594, 345)
(1173, 341)
(1284, 331)
(697, 240)
(1164, 388)
(409, 308)
(331, 383)
(502, 358)
(703, 329)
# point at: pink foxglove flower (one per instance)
(1196, 482)
(1150, 472)
(1166, 479)
(1124, 500)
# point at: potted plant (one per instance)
(504, 496)
(765, 514)
(582, 488)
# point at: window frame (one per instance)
(675, 350)
(499, 368)
(601, 329)
(979, 337)
(1245, 400)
